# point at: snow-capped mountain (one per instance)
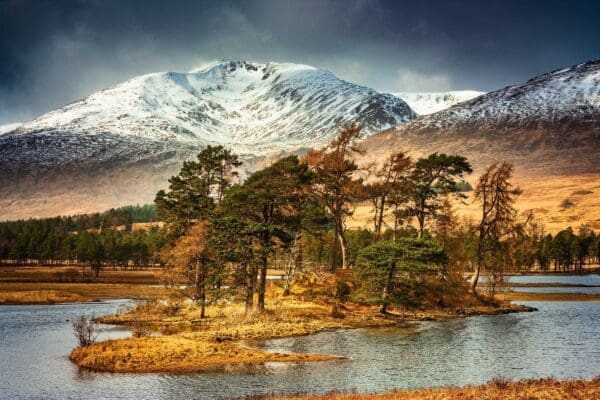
(424, 103)
(252, 108)
(140, 131)
(549, 124)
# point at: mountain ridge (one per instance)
(549, 124)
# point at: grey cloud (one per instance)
(54, 52)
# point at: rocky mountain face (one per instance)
(549, 125)
(119, 146)
(431, 102)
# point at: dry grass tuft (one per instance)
(38, 297)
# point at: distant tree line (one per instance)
(566, 251)
(94, 240)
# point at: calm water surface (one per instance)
(592, 282)
(589, 279)
(562, 340)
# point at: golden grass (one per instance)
(497, 389)
(542, 196)
(38, 297)
(72, 274)
(26, 293)
(214, 343)
(184, 353)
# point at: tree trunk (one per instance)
(262, 285)
(202, 301)
(421, 220)
(199, 295)
(478, 268)
(333, 253)
(379, 217)
(387, 290)
(395, 234)
(250, 287)
(344, 248)
(294, 264)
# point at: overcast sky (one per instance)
(54, 52)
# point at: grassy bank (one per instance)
(78, 274)
(47, 293)
(497, 389)
(537, 296)
(179, 354)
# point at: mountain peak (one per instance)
(229, 67)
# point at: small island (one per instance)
(170, 337)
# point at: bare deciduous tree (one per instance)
(189, 262)
(497, 196)
(388, 188)
(84, 329)
(335, 186)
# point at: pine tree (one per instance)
(382, 265)
(432, 177)
(270, 203)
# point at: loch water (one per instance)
(562, 339)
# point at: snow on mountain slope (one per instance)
(431, 102)
(549, 124)
(9, 127)
(567, 93)
(253, 108)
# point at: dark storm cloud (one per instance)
(54, 52)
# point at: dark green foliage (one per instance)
(270, 204)
(567, 251)
(431, 177)
(385, 267)
(195, 191)
(68, 240)
(357, 239)
(464, 187)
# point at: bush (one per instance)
(84, 330)
(139, 329)
(342, 290)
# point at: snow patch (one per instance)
(431, 102)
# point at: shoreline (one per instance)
(14, 294)
(548, 296)
(18, 293)
(54, 284)
(495, 389)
